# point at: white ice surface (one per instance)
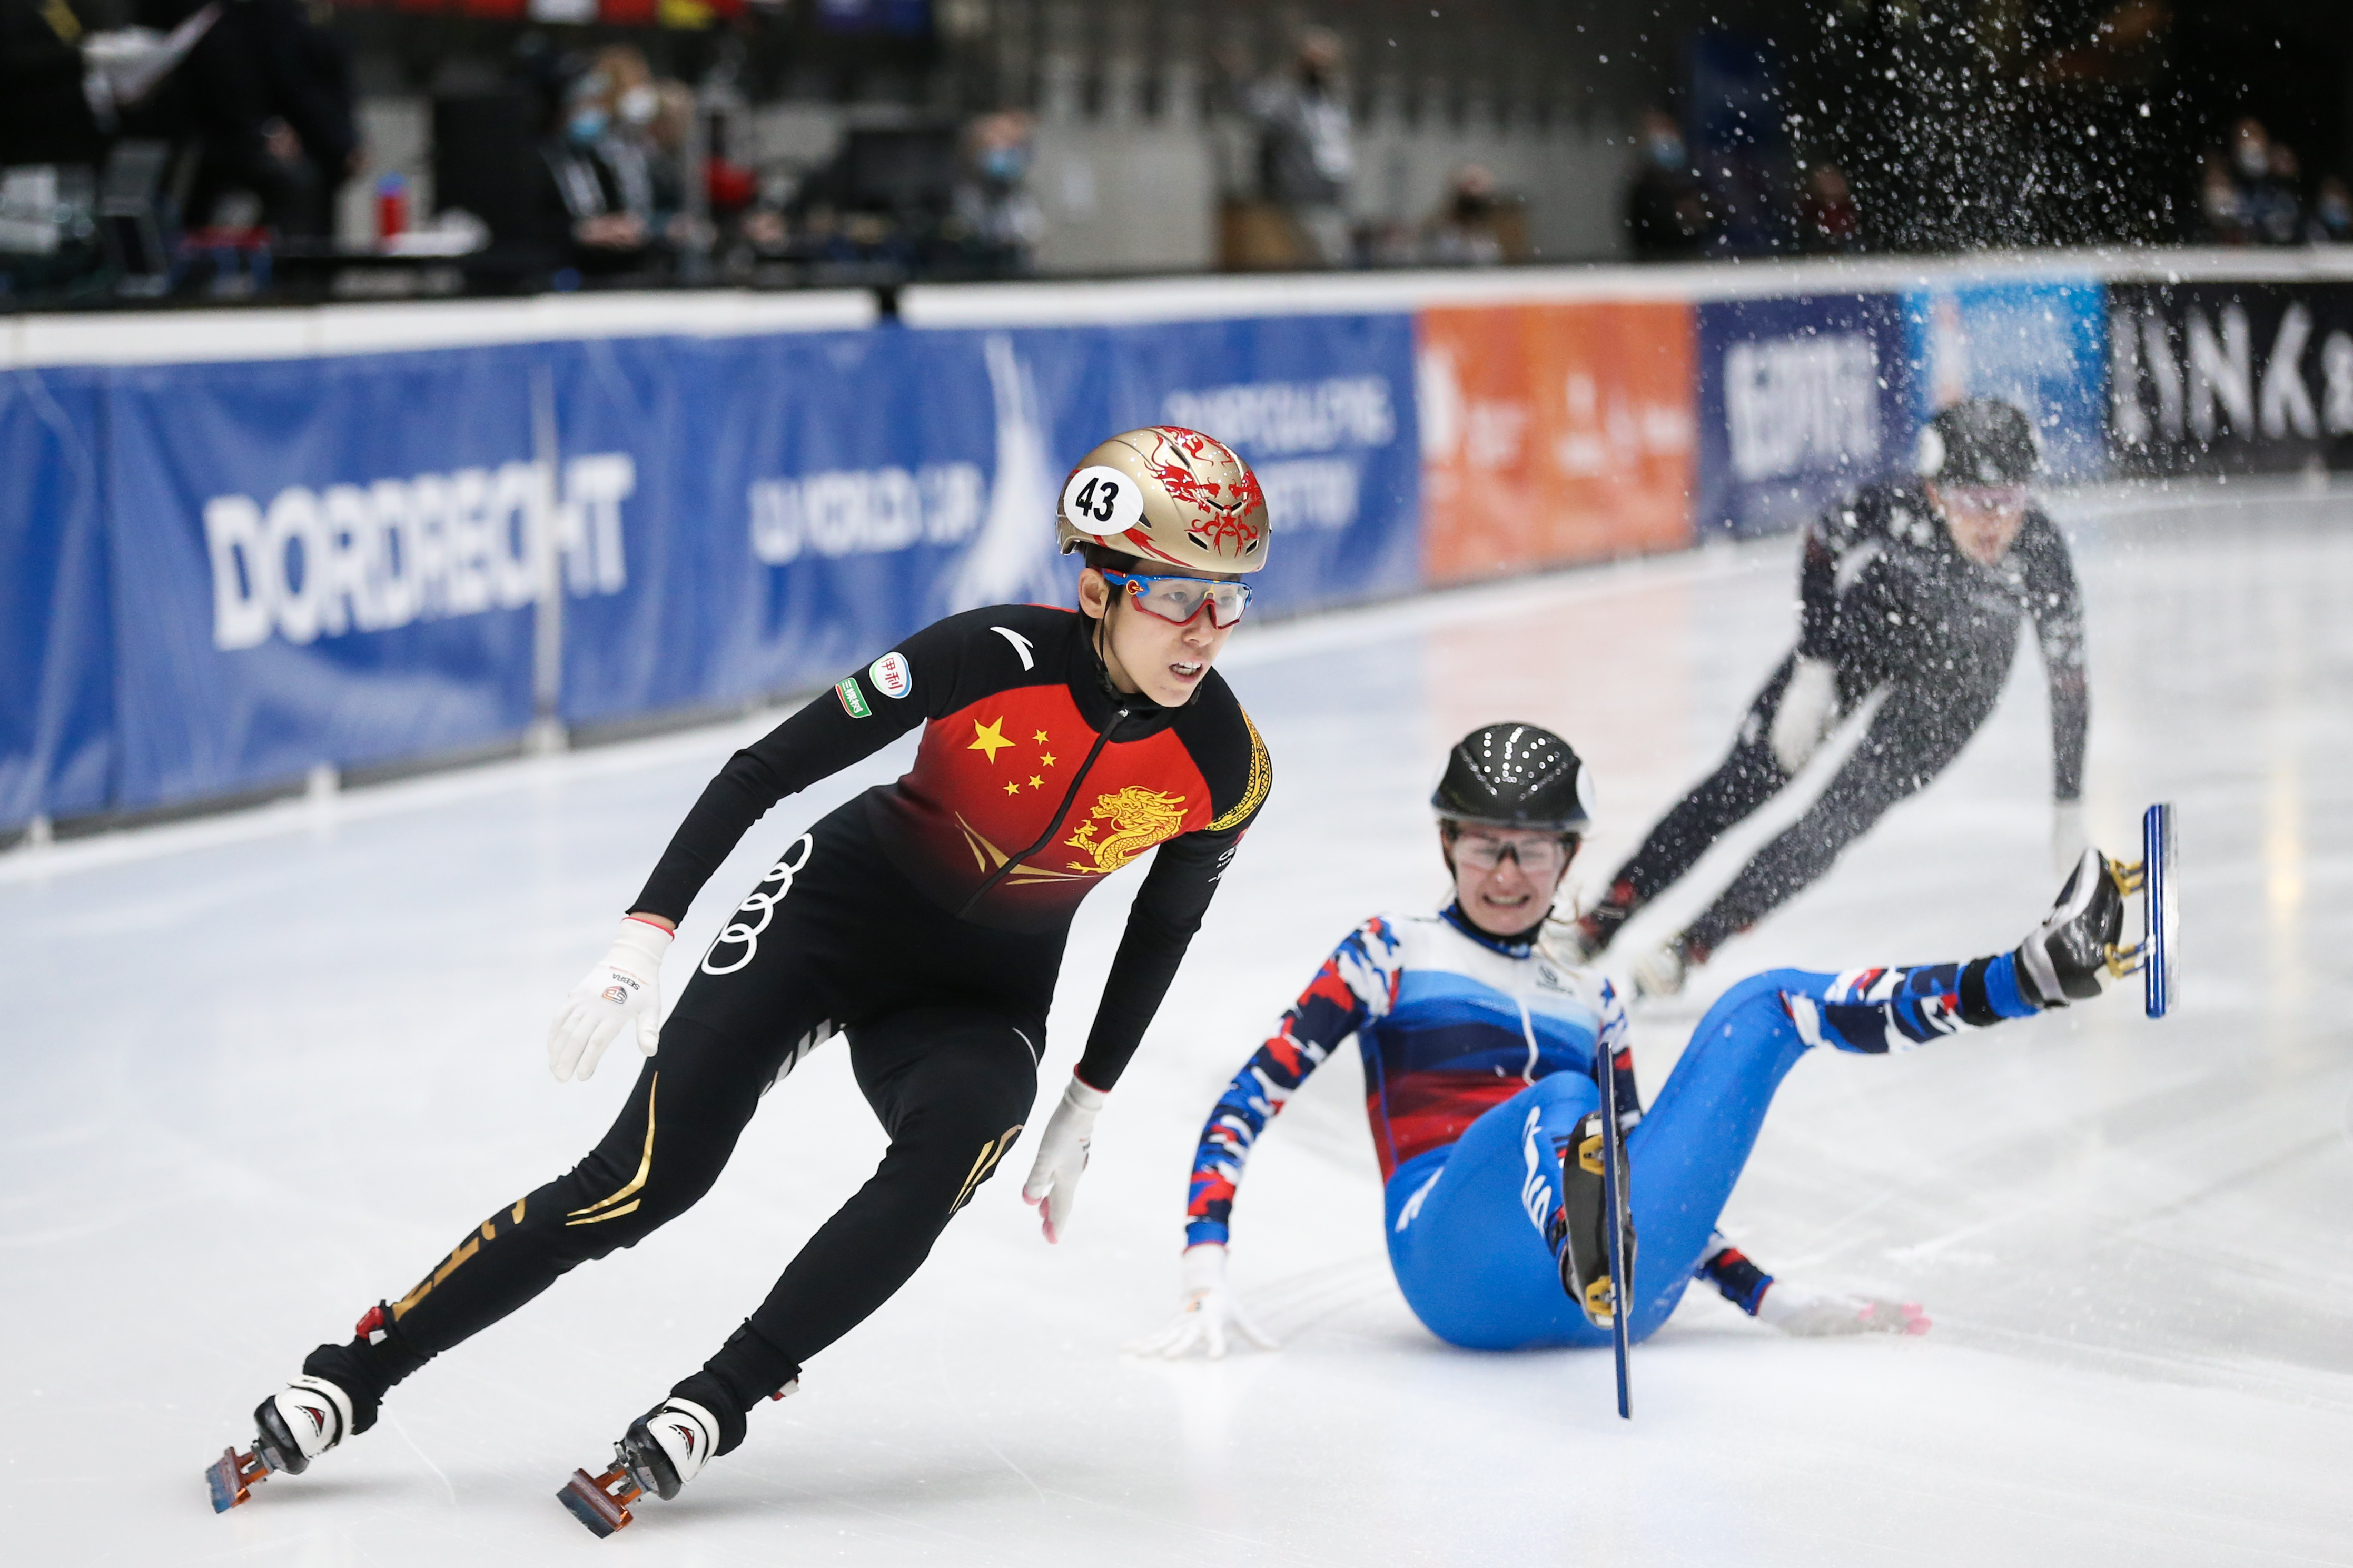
(264, 1069)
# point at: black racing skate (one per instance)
(1580, 1232)
(2075, 951)
(663, 1450)
(292, 1428)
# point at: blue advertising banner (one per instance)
(796, 504)
(2040, 344)
(1800, 401)
(56, 670)
(268, 565)
(1322, 407)
(799, 503)
(319, 561)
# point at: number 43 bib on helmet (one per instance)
(1167, 494)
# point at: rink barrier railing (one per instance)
(242, 546)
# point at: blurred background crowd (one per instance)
(386, 147)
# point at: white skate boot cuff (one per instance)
(688, 1449)
(313, 1430)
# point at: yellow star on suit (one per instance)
(988, 737)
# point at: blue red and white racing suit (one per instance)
(1480, 1057)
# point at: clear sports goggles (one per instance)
(1483, 851)
(1180, 599)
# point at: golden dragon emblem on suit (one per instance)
(1139, 818)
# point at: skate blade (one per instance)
(602, 1512)
(233, 1477)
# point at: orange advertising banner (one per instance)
(1554, 434)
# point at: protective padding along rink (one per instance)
(265, 1068)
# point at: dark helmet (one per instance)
(1515, 776)
(1981, 441)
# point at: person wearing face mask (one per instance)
(1666, 210)
(999, 223)
(1306, 151)
(1913, 589)
(1483, 1039)
(925, 921)
(601, 165)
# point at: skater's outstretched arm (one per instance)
(1357, 984)
(1829, 539)
(1795, 1311)
(2056, 603)
(1160, 926)
(854, 719)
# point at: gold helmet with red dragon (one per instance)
(1171, 496)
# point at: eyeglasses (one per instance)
(1180, 599)
(1485, 852)
(1984, 498)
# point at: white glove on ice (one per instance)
(2067, 839)
(1053, 1183)
(627, 985)
(1805, 1314)
(1210, 1309)
(1808, 711)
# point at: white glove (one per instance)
(1053, 1183)
(1808, 711)
(1210, 1309)
(1805, 1314)
(627, 985)
(2067, 839)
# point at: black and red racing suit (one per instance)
(925, 922)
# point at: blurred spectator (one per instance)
(1828, 223)
(995, 219)
(2331, 222)
(1475, 227)
(601, 160)
(2280, 218)
(2221, 205)
(1306, 149)
(265, 98)
(677, 216)
(2270, 208)
(1666, 210)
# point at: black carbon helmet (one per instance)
(1515, 776)
(1980, 441)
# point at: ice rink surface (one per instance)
(264, 1069)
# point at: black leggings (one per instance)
(1920, 728)
(947, 1026)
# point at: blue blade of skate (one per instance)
(2160, 909)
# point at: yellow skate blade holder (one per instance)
(2130, 877)
(2124, 961)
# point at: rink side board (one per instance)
(57, 633)
(1800, 401)
(1554, 434)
